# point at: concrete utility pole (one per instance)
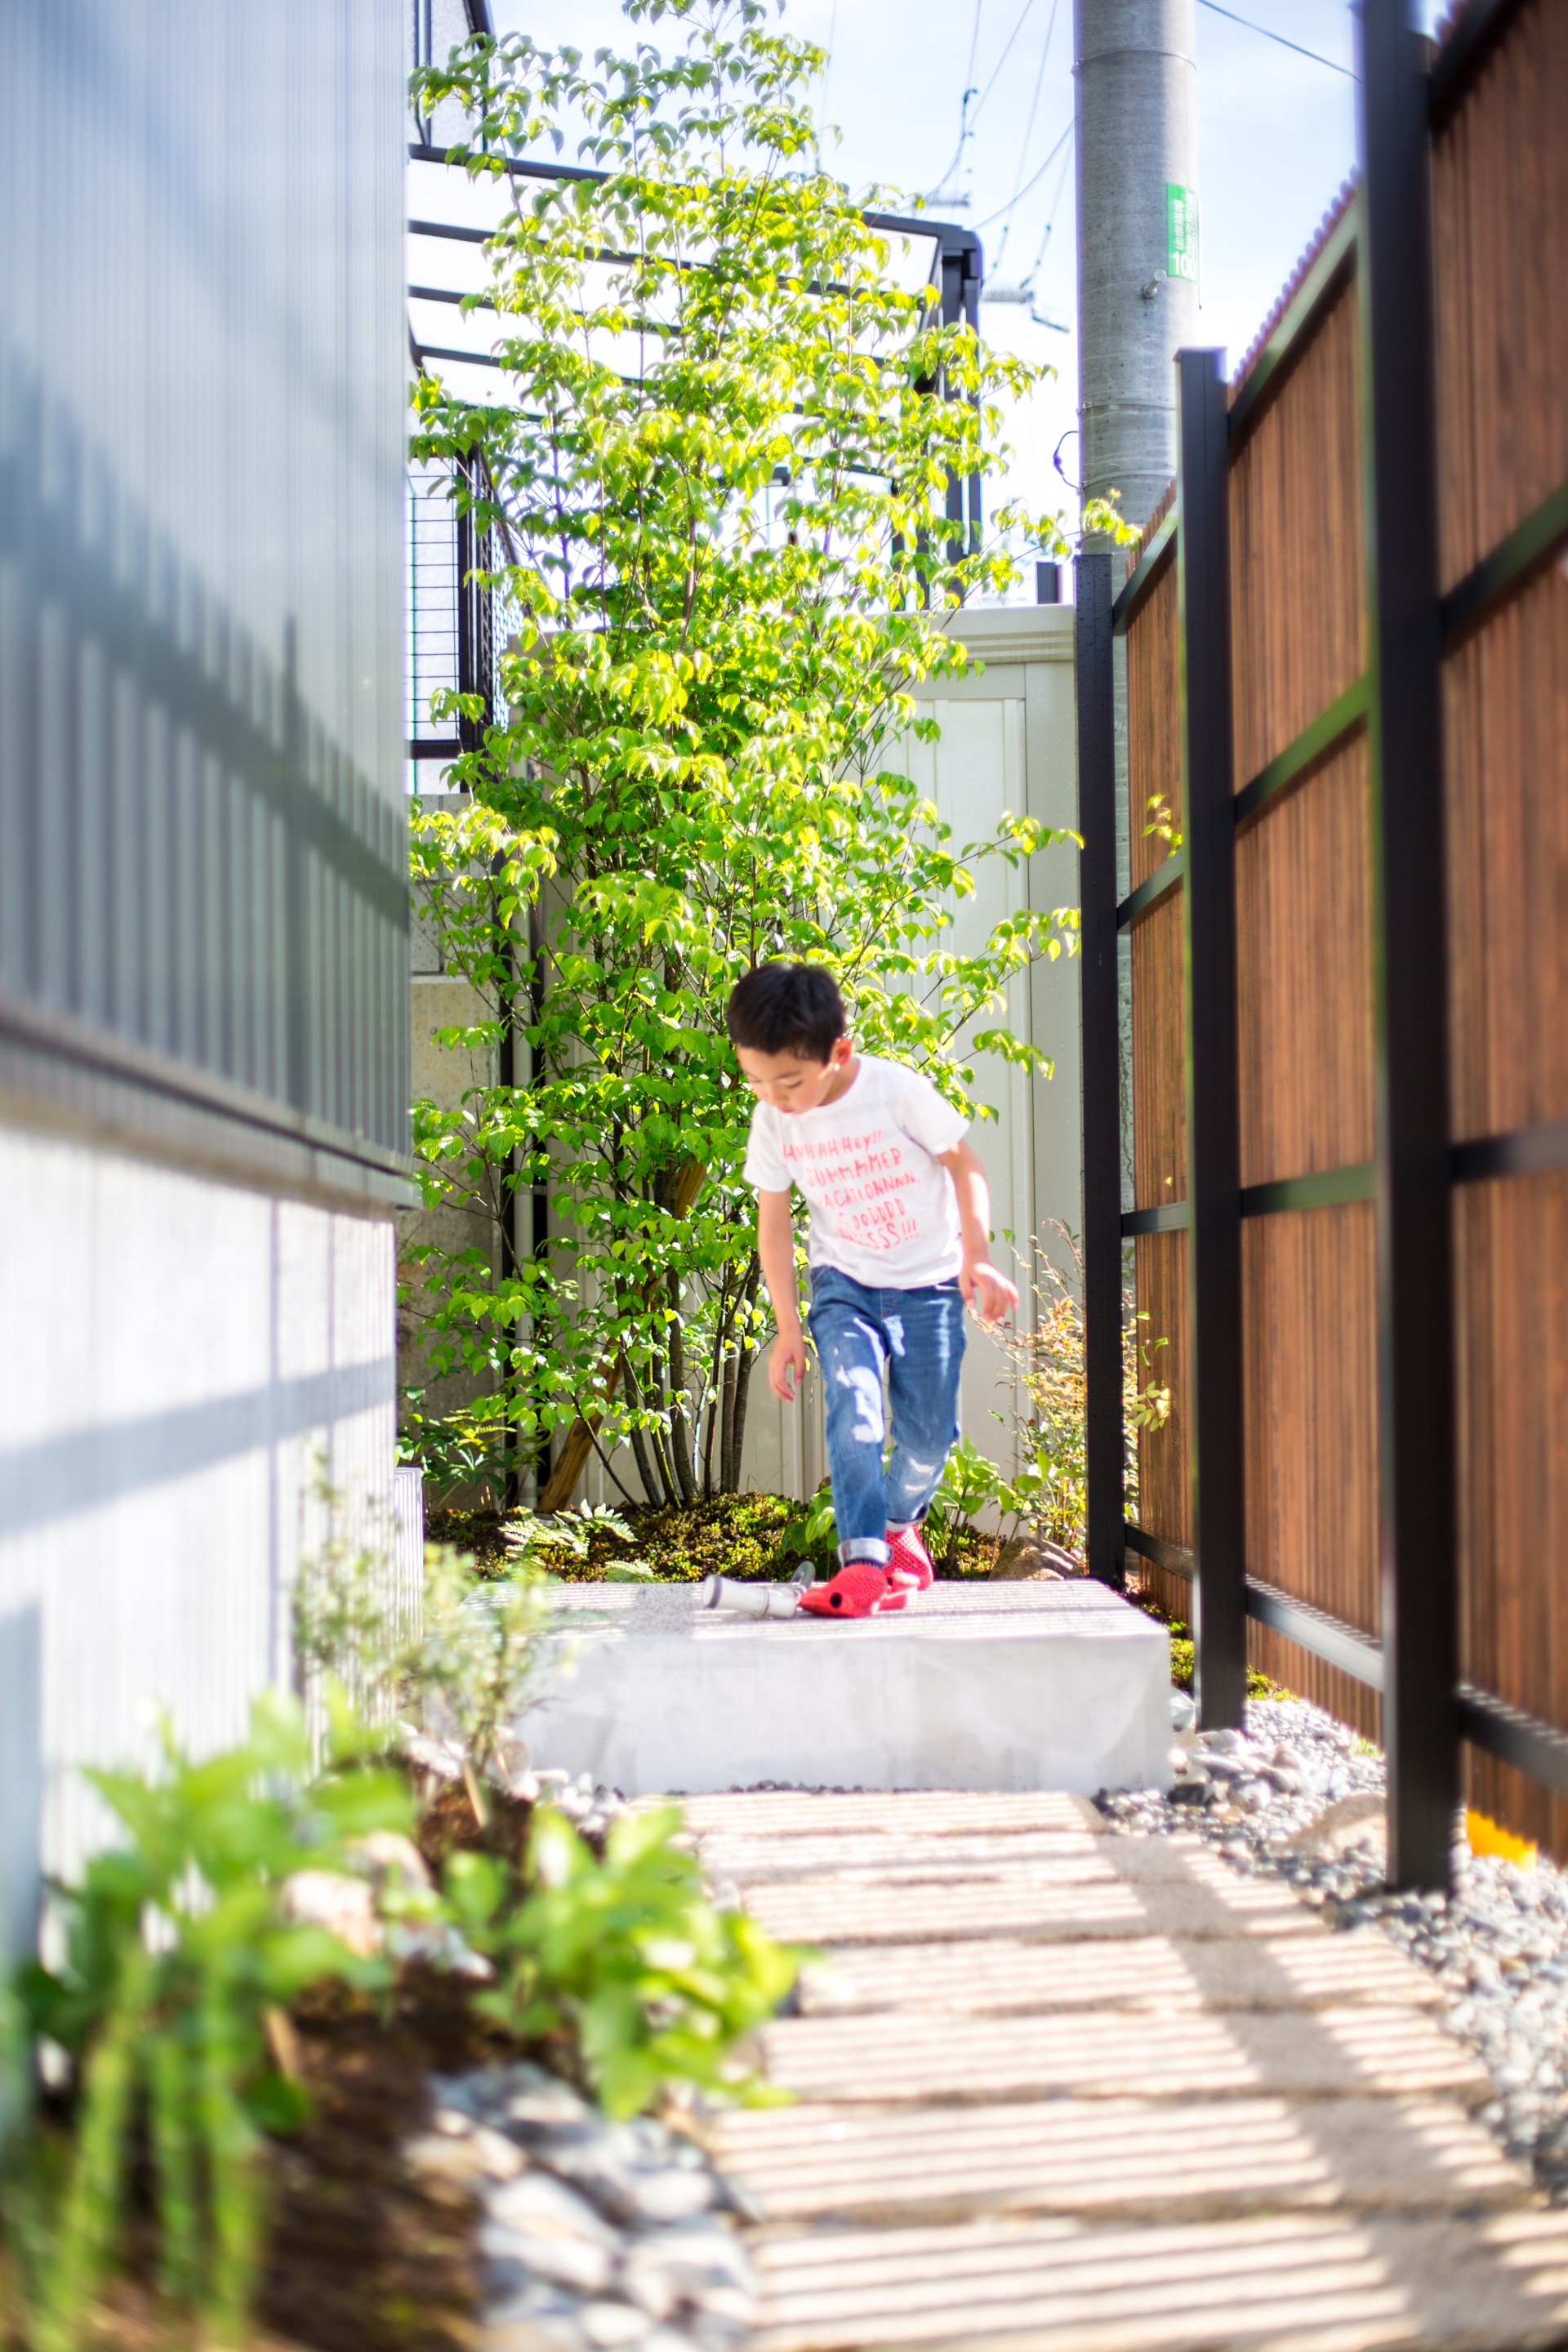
(1134, 61)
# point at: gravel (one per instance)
(1300, 1798)
(595, 2236)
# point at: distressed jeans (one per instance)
(915, 1339)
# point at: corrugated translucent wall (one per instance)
(202, 914)
(201, 360)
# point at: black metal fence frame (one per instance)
(1384, 240)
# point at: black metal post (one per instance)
(1100, 1020)
(1213, 1171)
(1416, 1345)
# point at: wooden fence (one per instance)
(1345, 921)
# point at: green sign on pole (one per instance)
(1181, 230)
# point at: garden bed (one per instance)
(739, 1536)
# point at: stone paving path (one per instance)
(1059, 2092)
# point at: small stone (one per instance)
(439, 2157)
(338, 1902)
(534, 2318)
(1028, 1556)
(514, 2256)
(391, 1861)
(546, 2206)
(541, 2106)
(609, 2324)
(500, 2158)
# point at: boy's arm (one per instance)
(776, 1247)
(989, 1293)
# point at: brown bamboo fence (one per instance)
(1304, 677)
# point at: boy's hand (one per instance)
(989, 1294)
(786, 1364)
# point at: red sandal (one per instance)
(908, 1562)
(860, 1589)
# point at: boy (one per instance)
(901, 1224)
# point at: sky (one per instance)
(1275, 138)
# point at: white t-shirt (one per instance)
(883, 1208)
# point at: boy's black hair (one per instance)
(787, 1008)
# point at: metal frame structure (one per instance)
(957, 265)
(1213, 1141)
(1099, 1012)
(1383, 240)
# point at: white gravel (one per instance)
(595, 2236)
(1299, 1797)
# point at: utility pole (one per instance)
(1134, 63)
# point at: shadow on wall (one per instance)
(21, 1775)
(190, 859)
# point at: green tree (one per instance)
(715, 502)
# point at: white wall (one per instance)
(175, 1350)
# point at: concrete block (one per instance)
(1016, 1687)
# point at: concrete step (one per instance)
(997, 1687)
(1303, 2282)
(1115, 2054)
(1170, 1974)
(1116, 2160)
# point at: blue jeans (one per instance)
(915, 1338)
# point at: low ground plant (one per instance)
(178, 1955)
(655, 1984)
(194, 2014)
(193, 2022)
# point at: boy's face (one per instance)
(791, 1083)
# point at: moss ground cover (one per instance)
(741, 1536)
(1183, 1656)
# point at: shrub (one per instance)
(656, 1985)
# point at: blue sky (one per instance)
(1275, 137)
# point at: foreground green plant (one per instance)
(177, 1950)
(462, 1664)
(654, 1983)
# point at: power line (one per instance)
(963, 108)
(826, 78)
(1038, 262)
(1028, 130)
(992, 218)
(1000, 62)
(1317, 59)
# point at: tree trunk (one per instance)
(645, 1454)
(738, 1379)
(679, 1436)
(578, 1445)
(728, 1470)
(742, 1386)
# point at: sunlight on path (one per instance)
(1078, 2094)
